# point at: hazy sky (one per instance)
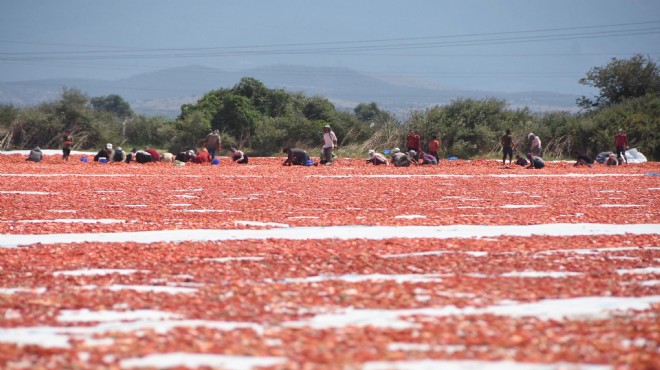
(508, 45)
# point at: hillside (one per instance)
(163, 92)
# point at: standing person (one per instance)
(67, 144)
(621, 145)
(295, 157)
(35, 155)
(212, 143)
(507, 147)
(535, 145)
(414, 142)
(329, 143)
(238, 156)
(434, 147)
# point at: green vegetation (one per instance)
(262, 121)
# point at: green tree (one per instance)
(621, 79)
(372, 114)
(190, 132)
(114, 104)
(237, 117)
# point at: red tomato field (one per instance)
(464, 265)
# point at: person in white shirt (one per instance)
(329, 143)
(535, 145)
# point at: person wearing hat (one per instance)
(329, 143)
(238, 156)
(535, 145)
(119, 155)
(621, 145)
(401, 159)
(376, 158)
(104, 153)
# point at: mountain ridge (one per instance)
(163, 92)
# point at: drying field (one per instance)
(464, 265)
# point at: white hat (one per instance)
(108, 145)
(372, 152)
(412, 152)
(531, 135)
(118, 148)
(396, 150)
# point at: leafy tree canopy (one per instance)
(621, 79)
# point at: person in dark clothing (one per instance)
(238, 156)
(119, 155)
(185, 157)
(67, 144)
(583, 159)
(35, 155)
(296, 157)
(520, 161)
(104, 153)
(154, 154)
(535, 161)
(507, 147)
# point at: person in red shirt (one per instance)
(202, 157)
(434, 147)
(414, 142)
(154, 154)
(621, 145)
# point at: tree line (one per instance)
(262, 121)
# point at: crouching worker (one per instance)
(104, 153)
(582, 159)
(427, 158)
(611, 160)
(295, 157)
(202, 157)
(142, 156)
(400, 159)
(185, 157)
(376, 158)
(35, 155)
(238, 156)
(520, 161)
(119, 155)
(535, 161)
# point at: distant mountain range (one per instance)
(163, 92)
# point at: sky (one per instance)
(502, 45)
